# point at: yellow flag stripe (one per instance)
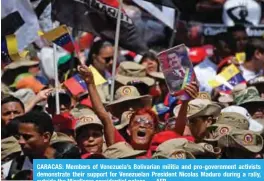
(225, 75)
(55, 33)
(11, 44)
(12, 47)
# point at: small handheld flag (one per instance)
(76, 85)
(98, 78)
(61, 37)
(227, 79)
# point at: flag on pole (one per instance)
(227, 79)
(165, 14)
(61, 37)
(99, 17)
(20, 19)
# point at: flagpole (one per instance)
(56, 76)
(116, 49)
(174, 31)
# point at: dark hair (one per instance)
(230, 38)
(41, 120)
(12, 127)
(218, 38)
(151, 56)
(252, 46)
(66, 150)
(64, 99)
(95, 49)
(12, 99)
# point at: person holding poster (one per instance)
(143, 122)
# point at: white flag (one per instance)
(166, 15)
(28, 32)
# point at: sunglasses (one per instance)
(146, 122)
(108, 59)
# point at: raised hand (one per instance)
(86, 74)
(192, 90)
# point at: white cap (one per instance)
(253, 124)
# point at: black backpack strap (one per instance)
(16, 166)
(41, 7)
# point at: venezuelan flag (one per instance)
(9, 49)
(61, 37)
(76, 85)
(227, 79)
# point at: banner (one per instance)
(149, 170)
(99, 17)
(214, 29)
(26, 32)
(165, 14)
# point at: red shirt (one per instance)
(154, 142)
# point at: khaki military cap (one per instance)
(122, 150)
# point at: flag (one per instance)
(227, 79)
(61, 37)
(164, 14)
(26, 32)
(11, 23)
(76, 85)
(9, 50)
(160, 109)
(99, 17)
(98, 78)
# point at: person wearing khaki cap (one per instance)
(250, 99)
(253, 124)
(258, 82)
(143, 122)
(201, 113)
(215, 132)
(122, 150)
(200, 150)
(131, 71)
(127, 97)
(173, 149)
(89, 134)
(10, 149)
(233, 119)
(241, 144)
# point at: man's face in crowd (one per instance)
(241, 39)
(90, 139)
(141, 129)
(198, 126)
(11, 110)
(104, 60)
(257, 113)
(32, 142)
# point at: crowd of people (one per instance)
(144, 121)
